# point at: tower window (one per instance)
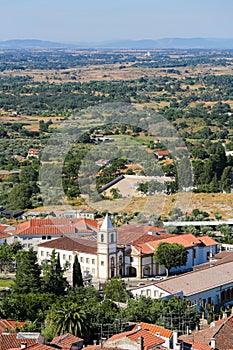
(102, 238)
(112, 238)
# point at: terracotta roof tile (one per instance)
(166, 333)
(163, 153)
(3, 228)
(198, 346)
(187, 240)
(10, 325)
(35, 347)
(66, 340)
(10, 340)
(221, 331)
(71, 244)
(150, 340)
(56, 226)
(130, 234)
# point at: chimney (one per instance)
(23, 345)
(175, 344)
(212, 343)
(141, 343)
(139, 327)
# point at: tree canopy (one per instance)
(170, 255)
(27, 278)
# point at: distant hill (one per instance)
(171, 43)
(31, 44)
(165, 43)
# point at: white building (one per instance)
(101, 258)
(109, 253)
(210, 286)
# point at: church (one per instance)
(100, 257)
(128, 252)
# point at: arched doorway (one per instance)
(132, 272)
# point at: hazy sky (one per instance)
(101, 20)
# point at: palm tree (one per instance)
(69, 318)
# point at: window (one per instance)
(148, 292)
(47, 254)
(93, 261)
(207, 255)
(43, 237)
(49, 237)
(69, 257)
(87, 260)
(64, 257)
(81, 259)
(112, 237)
(194, 253)
(42, 253)
(102, 238)
(155, 293)
(93, 271)
(102, 263)
(131, 259)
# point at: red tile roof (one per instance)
(198, 346)
(10, 340)
(221, 331)
(65, 341)
(3, 228)
(5, 235)
(163, 153)
(56, 226)
(10, 325)
(166, 333)
(187, 240)
(36, 347)
(130, 234)
(71, 244)
(150, 340)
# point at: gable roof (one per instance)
(71, 244)
(11, 340)
(65, 341)
(221, 331)
(150, 340)
(130, 234)
(187, 240)
(56, 226)
(166, 333)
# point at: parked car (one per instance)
(156, 278)
(140, 284)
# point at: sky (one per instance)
(107, 20)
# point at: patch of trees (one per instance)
(67, 309)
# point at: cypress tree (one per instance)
(53, 279)
(27, 277)
(77, 273)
